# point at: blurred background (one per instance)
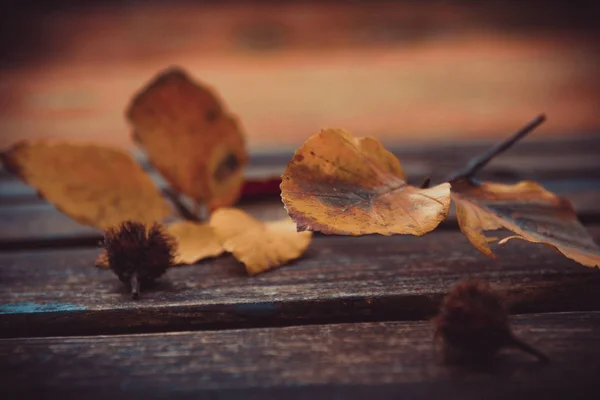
(403, 71)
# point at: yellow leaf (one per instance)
(338, 184)
(527, 209)
(195, 241)
(190, 138)
(473, 222)
(259, 245)
(95, 185)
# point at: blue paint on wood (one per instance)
(30, 307)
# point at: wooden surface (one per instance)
(336, 322)
(338, 279)
(434, 80)
(368, 360)
(567, 166)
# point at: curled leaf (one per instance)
(338, 184)
(95, 185)
(195, 241)
(190, 138)
(260, 246)
(527, 209)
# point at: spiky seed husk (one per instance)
(473, 325)
(138, 254)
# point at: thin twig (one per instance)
(426, 183)
(175, 198)
(529, 349)
(135, 286)
(201, 211)
(183, 211)
(196, 209)
(477, 163)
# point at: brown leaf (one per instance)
(338, 184)
(259, 245)
(102, 260)
(191, 140)
(527, 209)
(95, 185)
(195, 241)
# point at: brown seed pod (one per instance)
(472, 325)
(138, 254)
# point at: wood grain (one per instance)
(40, 225)
(349, 361)
(339, 279)
(567, 166)
(566, 157)
(403, 72)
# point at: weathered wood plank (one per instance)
(568, 166)
(339, 279)
(350, 361)
(541, 159)
(41, 225)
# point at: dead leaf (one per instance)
(527, 209)
(102, 260)
(190, 138)
(338, 184)
(95, 185)
(195, 241)
(259, 245)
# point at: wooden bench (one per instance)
(347, 320)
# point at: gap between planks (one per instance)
(41, 226)
(340, 279)
(565, 158)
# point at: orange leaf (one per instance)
(259, 245)
(338, 184)
(527, 209)
(190, 138)
(95, 185)
(195, 241)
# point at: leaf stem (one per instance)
(477, 163)
(196, 209)
(135, 286)
(175, 198)
(529, 349)
(183, 211)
